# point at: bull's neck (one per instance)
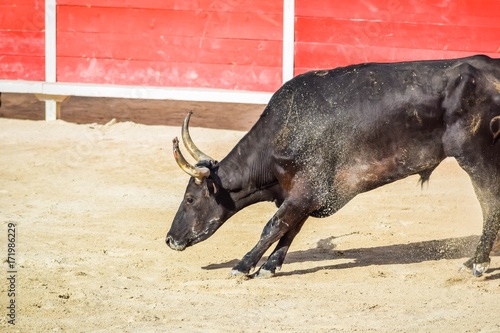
(246, 171)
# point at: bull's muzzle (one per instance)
(175, 245)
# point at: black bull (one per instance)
(328, 135)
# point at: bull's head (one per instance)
(206, 204)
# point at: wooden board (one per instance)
(170, 49)
(22, 39)
(331, 56)
(24, 15)
(186, 45)
(234, 44)
(22, 67)
(249, 6)
(330, 34)
(172, 74)
(459, 12)
(244, 25)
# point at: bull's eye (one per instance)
(189, 200)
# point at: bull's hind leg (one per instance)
(285, 223)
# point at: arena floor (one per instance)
(92, 203)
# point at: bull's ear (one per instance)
(460, 93)
(495, 128)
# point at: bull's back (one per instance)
(351, 129)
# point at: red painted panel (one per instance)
(22, 43)
(170, 49)
(471, 12)
(170, 22)
(20, 67)
(330, 34)
(129, 72)
(397, 34)
(316, 56)
(217, 48)
(22, 39)
(23, 16)
(253, 6)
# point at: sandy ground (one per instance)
(92, 205)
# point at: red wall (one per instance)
(234, 44)
(213, 44)
(22, 40)
(337, 33)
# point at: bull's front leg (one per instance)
(490, 206)
(287, 221)
(480, 262)
(277, 257)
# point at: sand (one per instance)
(91, 205)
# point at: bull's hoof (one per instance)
(241, 268)
(237, 273)
(263, 274)
(479, 269)
(239, 276)
(468, 264)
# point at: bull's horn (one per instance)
(199, 173)
(197, 154)
(495, 128)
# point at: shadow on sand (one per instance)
(398, 254)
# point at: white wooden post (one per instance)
(52, 105)
(52, 102)
(288, 39)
